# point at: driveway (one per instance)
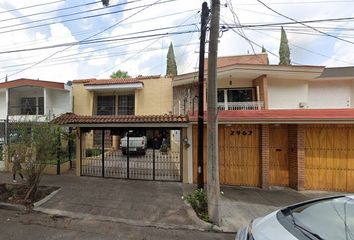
(239, 205)
(142, 203)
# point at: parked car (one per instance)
(325, 218)
(137, 145)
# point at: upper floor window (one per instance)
(126, 104)
(236, 95)
(32, 106)
(106, 105)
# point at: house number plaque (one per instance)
(240, 132)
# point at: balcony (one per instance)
(226, 106)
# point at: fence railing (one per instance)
(257, 105)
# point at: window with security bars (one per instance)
(126, 104)
(106, 105)
(28, 106)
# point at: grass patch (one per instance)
(199, 202)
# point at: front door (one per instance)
(278, 155)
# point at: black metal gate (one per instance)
(147, 154)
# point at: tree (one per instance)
(284, 51)
(120, 74)
(36, 145)
(171, 68)
(264, 50)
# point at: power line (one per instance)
(298, 22)
(276, 55)
(292, 19)
(60, 61)
(131, 22)
(302, 2)
(79, 18)
(46, 12)
(32, 6)
(87, 38)
(109, 69)
(305, 49)
(237, 20)
(99, 40)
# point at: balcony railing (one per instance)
(20, 110)
(257, 105)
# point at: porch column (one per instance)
(264, 149)
(296, 156)
(7, 105)
(80, 142)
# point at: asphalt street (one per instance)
(15, 225)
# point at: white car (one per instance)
(325, 218)
(137, 145)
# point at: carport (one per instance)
(129, 147)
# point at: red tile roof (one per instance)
(31, 82)
(284, 115)
(71, 118)
(94, 81)
(240, 59)
(112, 81)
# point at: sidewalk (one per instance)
(239, 205)
(141, 203)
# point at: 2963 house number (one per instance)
(241, 132)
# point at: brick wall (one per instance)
(264, 143)
(296, 156)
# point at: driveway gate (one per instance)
(147, 154)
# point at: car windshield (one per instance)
(329, 219)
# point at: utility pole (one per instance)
(204, 18)
(213, 150)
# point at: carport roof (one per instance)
(112, 120)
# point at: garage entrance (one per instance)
(239, 161)
(135, 153)
(278, 155)
(329, 157)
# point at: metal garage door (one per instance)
(329, 157)
(239, 161)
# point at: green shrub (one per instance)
(199, 202)
(93, 152)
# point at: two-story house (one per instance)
(278, 125)
(126, 128)
(32, 100)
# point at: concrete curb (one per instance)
(46, 199)
(15, 207)
(204, 225)
(137, 223)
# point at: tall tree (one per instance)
(284, 51)
(120, 74)
(171, 68)
(263, 49)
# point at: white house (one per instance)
(32, 100)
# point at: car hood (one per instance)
(269, 228)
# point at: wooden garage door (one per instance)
(278, 155)
(329, 157)
(239, 161)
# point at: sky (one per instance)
(63, 40)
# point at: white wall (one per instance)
(3, 105)
(286, 94)
(333, 94)
(60, 101)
